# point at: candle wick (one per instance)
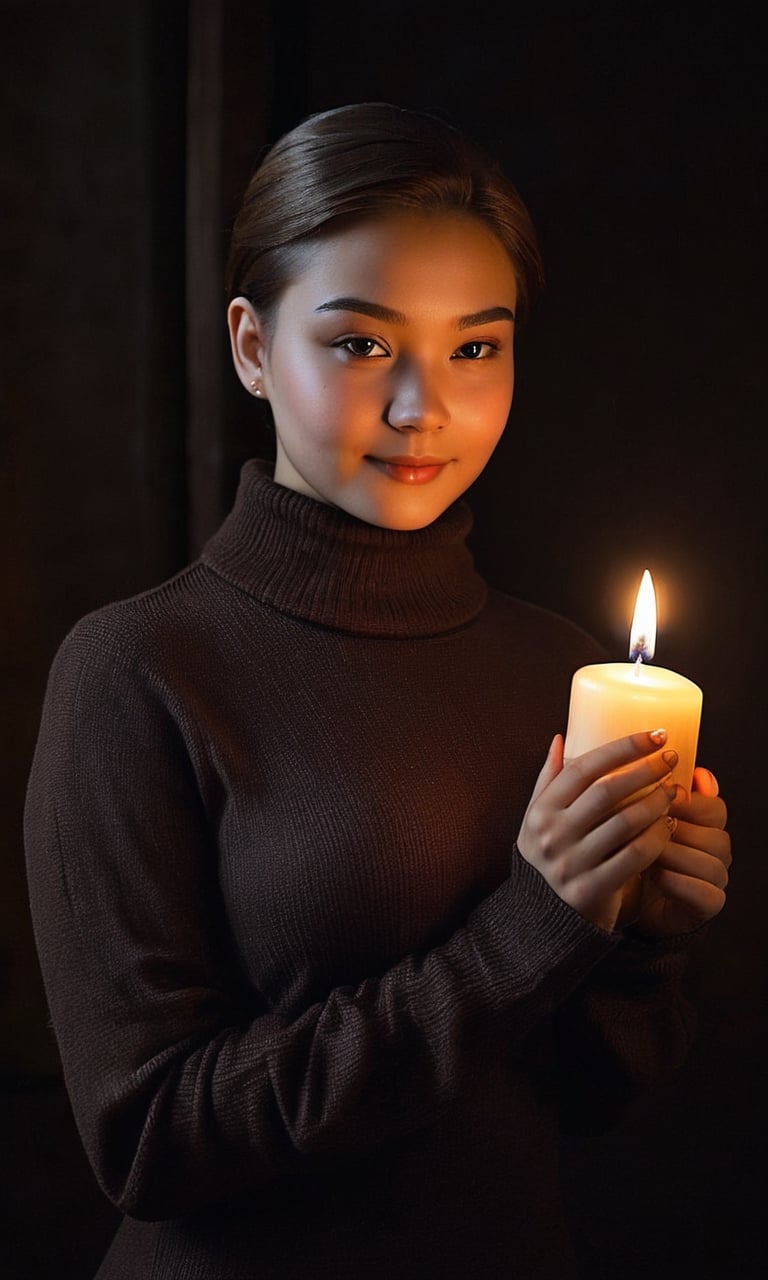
(637, 665)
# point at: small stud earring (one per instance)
(255, 388)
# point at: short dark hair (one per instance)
(359, 161)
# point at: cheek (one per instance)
(489, 410)
(347, 408)
(504, 396)
(299, 394)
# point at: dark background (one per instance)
(635, 132)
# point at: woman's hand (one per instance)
(590, 835)
(686, 884)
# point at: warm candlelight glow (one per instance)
(611, 699)
(642, 634)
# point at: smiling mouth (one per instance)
(409, 470)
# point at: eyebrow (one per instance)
(389, 316)
(486, 317)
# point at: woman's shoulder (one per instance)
(166, 619)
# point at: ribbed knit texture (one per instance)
(317, 1017)
(316, 562)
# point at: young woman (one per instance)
(330, 957)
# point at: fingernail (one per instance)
(669, 757)
(659, 736)
(670, 791)
(671, 826)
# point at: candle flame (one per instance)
(642, 635)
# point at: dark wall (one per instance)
(635, 133)
(92, 477)
(93, 402)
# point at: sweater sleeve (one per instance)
(185, 1088)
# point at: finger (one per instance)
(705, 782)
(580, 772)
(613, 872)
(711, 841)
(702, 898)
(551, 768)
(624, 789)
(600, 822)
(626, 827)
(698, 864)
(701, 810)
(616, 850)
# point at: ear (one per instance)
(246, 336)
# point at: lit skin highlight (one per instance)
(390, 365)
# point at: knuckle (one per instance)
(634, 851)
(535, 821)
(603, 792)
(577, 767)
(560, 876)
(626, 825)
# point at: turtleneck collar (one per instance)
(316, 562)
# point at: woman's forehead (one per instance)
(393, 257)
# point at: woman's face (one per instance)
(389, 367)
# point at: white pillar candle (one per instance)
(612, 699)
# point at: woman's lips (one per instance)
(411, 470)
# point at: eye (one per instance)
(361, 348)
(477, 350)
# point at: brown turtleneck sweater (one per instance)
(316, 1015)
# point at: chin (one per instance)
(405, 525)
(399, 517)
(390, 505)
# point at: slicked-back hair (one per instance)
(362, 161)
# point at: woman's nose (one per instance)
(417, 403)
